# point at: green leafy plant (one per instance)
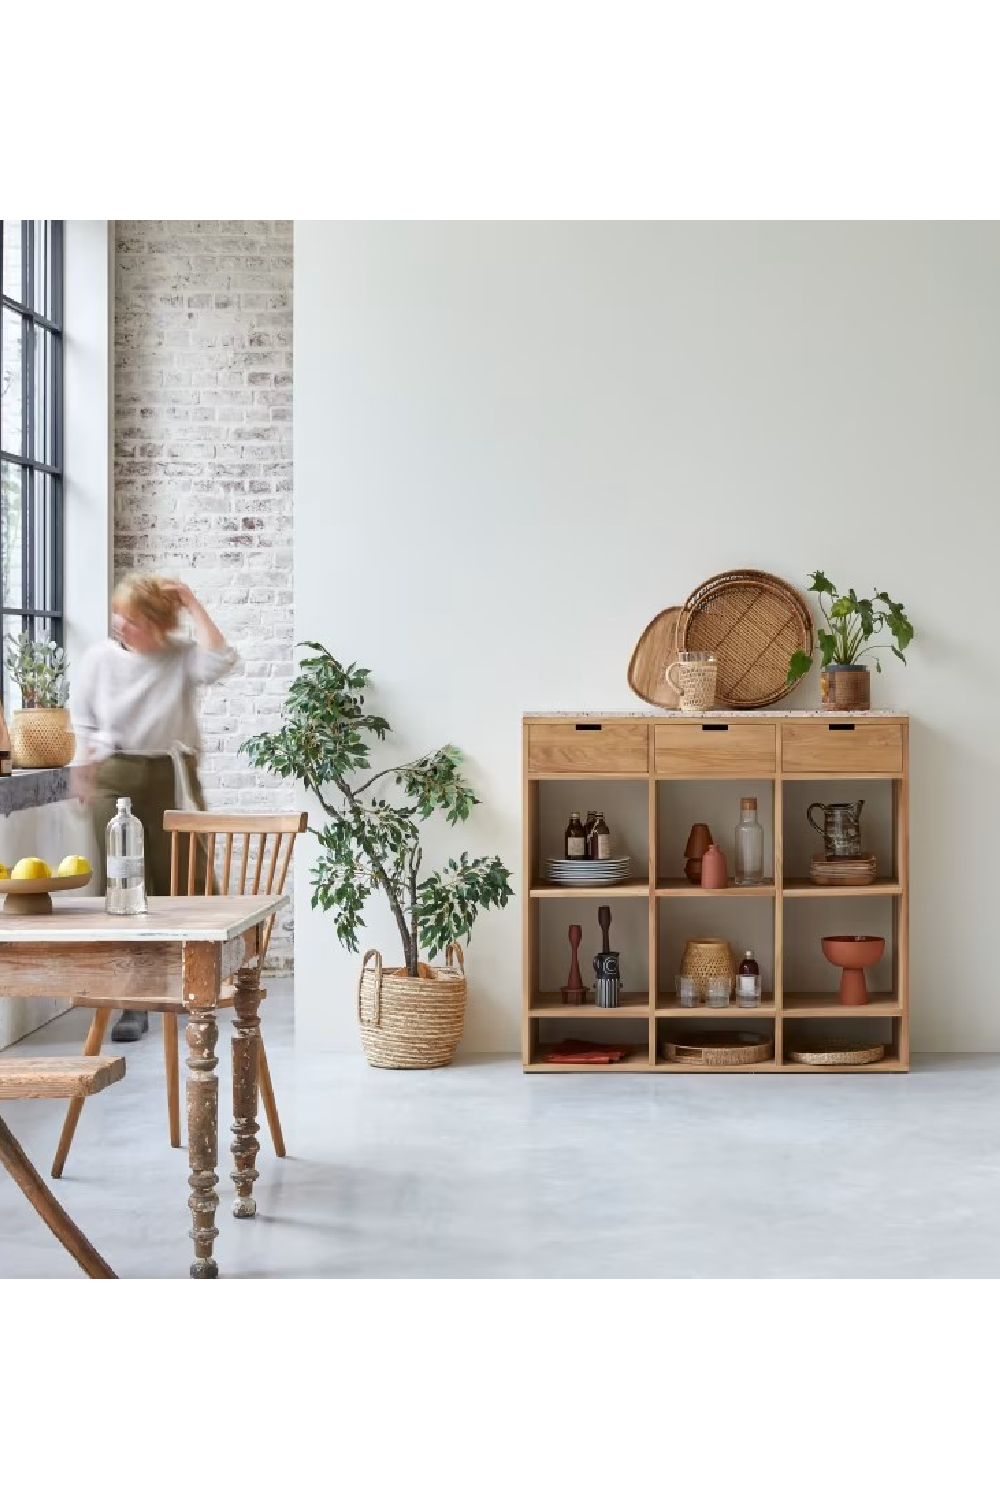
(852, 623)
(370, 843)
(39, 669)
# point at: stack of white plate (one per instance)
(587, 871)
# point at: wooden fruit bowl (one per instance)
(33, 898)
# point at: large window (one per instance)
(31, 393)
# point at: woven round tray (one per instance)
(721, 1048)
(834, 1051)
(655, 649)
(754, 623)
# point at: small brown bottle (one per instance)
(576, 844)
(599, 842)
(748, 982)
(5, 755)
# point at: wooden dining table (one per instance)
(184, 948)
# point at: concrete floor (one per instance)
(478, 1171)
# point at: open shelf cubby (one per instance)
(655, 775)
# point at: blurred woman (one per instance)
(135, 714)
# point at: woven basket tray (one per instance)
(655, 649)
(834, 1052)
(754, 623)
(721, 1049)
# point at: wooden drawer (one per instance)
(591, 747)
(711, 747)
(857, 748)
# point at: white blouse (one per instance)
(135, 703)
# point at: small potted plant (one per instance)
(40, 731)
(852, 625)
(410, 1017)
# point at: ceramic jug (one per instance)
(841, 828)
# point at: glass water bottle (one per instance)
(126, 889)
(749, 845)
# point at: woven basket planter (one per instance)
(41, 738)
(411, 1023)
(705, 959)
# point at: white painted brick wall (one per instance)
(203, 462)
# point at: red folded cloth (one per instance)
(572, 1050)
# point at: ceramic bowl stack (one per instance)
(587, 871)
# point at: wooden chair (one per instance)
(54, 1078)
(261, 870)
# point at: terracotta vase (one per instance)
(694, 850)
(713, 869)
(854, 955)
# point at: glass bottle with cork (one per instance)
(599, 839)
(575, 839)
(749, 862)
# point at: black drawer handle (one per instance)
(842, 728)
(715, 729)
(589, 727)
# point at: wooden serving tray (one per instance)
(655, 650)
(860, 871)
(721, 1048)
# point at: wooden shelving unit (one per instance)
(653, 750)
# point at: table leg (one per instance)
(246, 1049)
(203, 1137)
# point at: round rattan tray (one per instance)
(834, 1051)
(754, 623)
(32, 898)
(655, 649)
(721, 1049)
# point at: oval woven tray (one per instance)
(754, 622)
(655, 649)
(833, 1051)
(721, 1048)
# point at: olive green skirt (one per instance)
(149, 781)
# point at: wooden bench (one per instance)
(54, 1078)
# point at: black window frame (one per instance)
(29, 615)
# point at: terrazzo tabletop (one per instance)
(652, 712)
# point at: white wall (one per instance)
(515, 443)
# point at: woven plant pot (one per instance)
(411, 1023)
(41, 738)
(705, 959)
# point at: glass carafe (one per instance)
(126, 864)
(749, 864)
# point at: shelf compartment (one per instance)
(683, 887)
(885, 887)
(633, 1007)
(806, 1007)
(606, 893)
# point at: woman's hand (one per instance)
(207, 633)
(184, 596)
(83, 780)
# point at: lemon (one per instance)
(74, 864)
(31, 869)
(4, 873)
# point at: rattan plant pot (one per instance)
(708, 958)
(41, 738)
(411, 1023)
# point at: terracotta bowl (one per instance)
(853, 955)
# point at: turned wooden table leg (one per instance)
(246, 1050)
(201, 994)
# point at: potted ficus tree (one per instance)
(852, 627)
(411, 1017)
(40, 731)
